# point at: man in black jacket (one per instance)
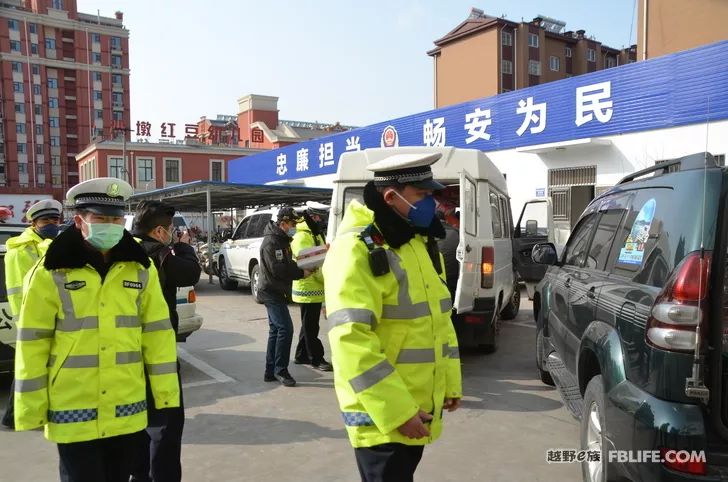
(278, 270)
(178, 266)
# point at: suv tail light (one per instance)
(486, 267)
(681, 306)
(191, 297)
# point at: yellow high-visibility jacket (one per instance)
(22, 253)
(83, 344)
(311, 289)
(393, 345)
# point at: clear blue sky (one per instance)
(356, 62)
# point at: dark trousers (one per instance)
(392, 462)
(160, 450)
(102, 460)
(280, 337)
(310, 348)
(9, 416)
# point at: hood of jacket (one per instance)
(28, 236)
(273, 230)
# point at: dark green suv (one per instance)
(633, 324)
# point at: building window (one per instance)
(591, 55)
(14, 46)
(96, 38)
(55, 141)
(554, 63)
(99, 114)
(54, 122)
(16, 66)
(21, 148)
(36, 69)
(145, 170)
(115, 43)
(53, 102)
(33, 28)
(19, 108)
(13, 24)
(534, 67)
(97, 58)
(39, 129)
(55, 161)
(216, 171)
(18, 87)
(57, 4)
(117, 98)
(98, 95)
(39, 149)
(116, 79)
(611, 62)
(38, 109)
(20, 128)
(52, 83)
(506, 38)
(34, 49)
(117, 115)
(50, 43)
(171, 170)
(506, 66)
(116, 61)
(533, 40)
(116, 167)
(40, 169)
(568, 52)
(98, 76)
(22, 167)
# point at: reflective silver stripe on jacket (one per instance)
(416, 355)
(162, 368)
(352, 315)
(127, 321)
(33, 334)
(160, 325)
(445, 305)
(371, 377)
(15, 291)
(31, 385)
(404, 309)
(70, 322)
(450, 351)
(81, 361)
(124, 357)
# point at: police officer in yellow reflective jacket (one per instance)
(394, 349)
(309, 292)
(93, 318)
(22, 253)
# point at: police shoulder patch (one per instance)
(74, 285)
(279, 254)
(133, 284)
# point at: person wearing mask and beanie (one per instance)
(309, 292)
(22, 253)
(277, 272)
(93, 320)
(177, 264)
(393, 345)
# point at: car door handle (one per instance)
(468, 248)
(591, 293)
(568, 283)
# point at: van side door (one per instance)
(468, 252)
(535, 225)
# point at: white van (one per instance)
(487, 288)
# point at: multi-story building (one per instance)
(485, 56)
(64, 80)
(668, 26)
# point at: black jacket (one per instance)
(177, 265)
(277, 268)
(448, 247)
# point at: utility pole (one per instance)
(118, 126)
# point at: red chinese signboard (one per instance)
(256, 135)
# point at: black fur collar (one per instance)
(70, 250)
(396, 231)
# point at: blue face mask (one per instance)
(49, 231)
(421, 213)
(291, 232)
(104, 236)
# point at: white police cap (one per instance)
(314, 207)
(106, 196)
(47, 208)
(411, 168)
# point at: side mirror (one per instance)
(544, 253)
(531, 227)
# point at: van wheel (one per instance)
(255, 283)
(491, 338)
(514, 304)
(225, 282)
(544, 374)
(592, 431)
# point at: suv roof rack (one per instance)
(698, 160)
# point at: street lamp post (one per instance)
(121, 128)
